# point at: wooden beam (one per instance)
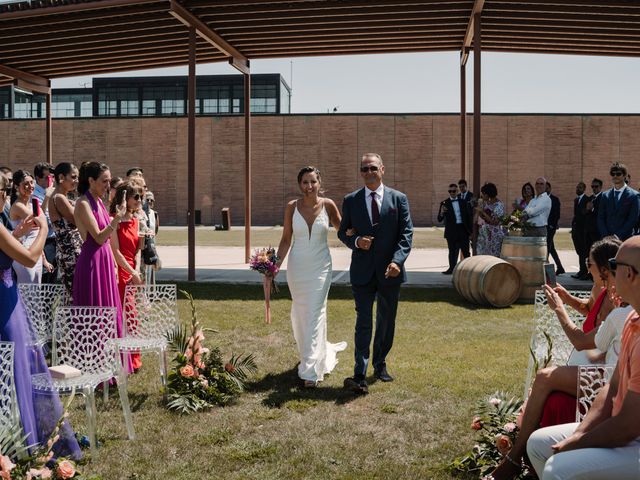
(22, 75)
(32, 87)
(478, 5)
(74, 7)
(191, 156)
(190, 20)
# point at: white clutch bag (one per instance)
(62, 372)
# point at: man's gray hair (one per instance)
(377, 155)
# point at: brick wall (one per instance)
(421, 155)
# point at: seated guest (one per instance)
(606, 445)
(457, 216)
(538, 209)
(527, 194)
(564, 379)
(490, 232)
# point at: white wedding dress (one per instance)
(309, 279)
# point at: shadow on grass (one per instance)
(285, 389)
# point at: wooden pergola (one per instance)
(45, 39)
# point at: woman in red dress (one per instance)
(127, 244)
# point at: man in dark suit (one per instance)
(552, 228)
(591, 220)
(457, 217)
(578, 230)
(618, 208)
(464, 193)
(382, 242)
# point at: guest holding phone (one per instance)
(21, 210)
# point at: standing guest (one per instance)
(456, 213)
(94, 281)
(21, 211)
(135, 172)
(464, 193)
(113, 185)
(552, 228)
(537, 210)
(381, 219)
(126, 244)
(606, 444)
(490, 232)
(579, 230)
(5, 192)
(618, 208)
(527, 195)
(151, 267)
(591, 221)
(43, 175)
(61, 211)
(39, 411)
(6, 206)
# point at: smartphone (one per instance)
(50, 181)
(35, 206)
(550, 274)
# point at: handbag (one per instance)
(149, 253)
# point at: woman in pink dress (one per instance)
(94, 282)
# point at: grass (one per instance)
(431, 237)
(447, 354)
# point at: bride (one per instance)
(306, 224)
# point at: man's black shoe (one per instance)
(383, 375)
(448, 272)
(577, 275)
(356, 386)
(560, 271)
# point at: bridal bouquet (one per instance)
(516, 221)
(265, 261)
(199, 378)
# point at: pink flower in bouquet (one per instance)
(495, 401)
(188, 353)
(187, 371)
(476, 424)
(199, 336)
(6, 465)
(510, 427)
(65, 469)
(503, 444)
(200, 365)
(41, 473)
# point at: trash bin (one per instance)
(226, 218)
(198, 217)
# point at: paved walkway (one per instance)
(226, 265)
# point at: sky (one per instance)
(429, 82)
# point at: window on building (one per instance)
(117, 101)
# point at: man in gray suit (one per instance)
(618, 207)
(381, 244)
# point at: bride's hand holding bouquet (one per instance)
(266, 262)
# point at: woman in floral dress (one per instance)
(490, 232)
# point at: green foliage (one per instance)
(495, 421)
(546, 360)
(13, 442)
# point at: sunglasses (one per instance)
(613, 265)
(136, 197)
(371, 168)
(595, 186)
(452, 191)
(616, 174)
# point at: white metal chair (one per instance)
(8, 406)
(84, 339)
(549, 343)
(41, 301)
(591, 378)
(149, 311)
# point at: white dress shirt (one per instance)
(538, 210)
(456, 208)
(379, 194)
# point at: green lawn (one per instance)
(422, 238)
(447, 354)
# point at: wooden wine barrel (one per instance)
(528, 255)
(487, 280)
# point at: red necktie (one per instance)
(375, 213)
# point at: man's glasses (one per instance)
(595, 186)
(614, 264)
(371, 168)
(616, 174)
(452, 191)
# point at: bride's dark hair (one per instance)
(308, 169)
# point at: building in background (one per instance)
(151, 96)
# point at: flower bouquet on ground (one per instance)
(35, 462)
(516, 222)
(265, 261)
(495, 421)
(199, 379)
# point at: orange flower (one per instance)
(503, 444)
(187, 371)
(477, 423)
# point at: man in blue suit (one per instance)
(381, 244)
(618, 208)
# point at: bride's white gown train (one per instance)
(309, 279)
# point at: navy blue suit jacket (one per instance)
(621, 218)
(392, 236)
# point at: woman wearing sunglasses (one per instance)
(127, 243)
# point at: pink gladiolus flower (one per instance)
(509, 427)
(188, 353)
(65, 469)
(495, 401)
(6, 465)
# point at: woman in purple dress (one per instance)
(94, 281)
(39, 411)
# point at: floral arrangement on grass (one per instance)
(516, 221)
(495, 421)
(21, 462)
(199, 378)
(265, 261)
